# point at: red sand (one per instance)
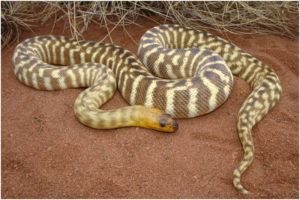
(47, 153)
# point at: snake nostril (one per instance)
(175, 125)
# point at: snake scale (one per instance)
(185, 73)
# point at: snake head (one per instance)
(155, 119)
(168, 123)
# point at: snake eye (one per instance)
(163, 121)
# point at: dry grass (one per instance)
(17, 16)
(237, 17)
(13, 17)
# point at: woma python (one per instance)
(189, 73)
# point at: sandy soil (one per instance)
(47, 153)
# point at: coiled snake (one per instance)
(188, 74)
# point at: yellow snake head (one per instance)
(157, 120)
(167, 123)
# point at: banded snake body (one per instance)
(189, 73)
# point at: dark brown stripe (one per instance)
(142, 90)
(160, 92)
(181, 100)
